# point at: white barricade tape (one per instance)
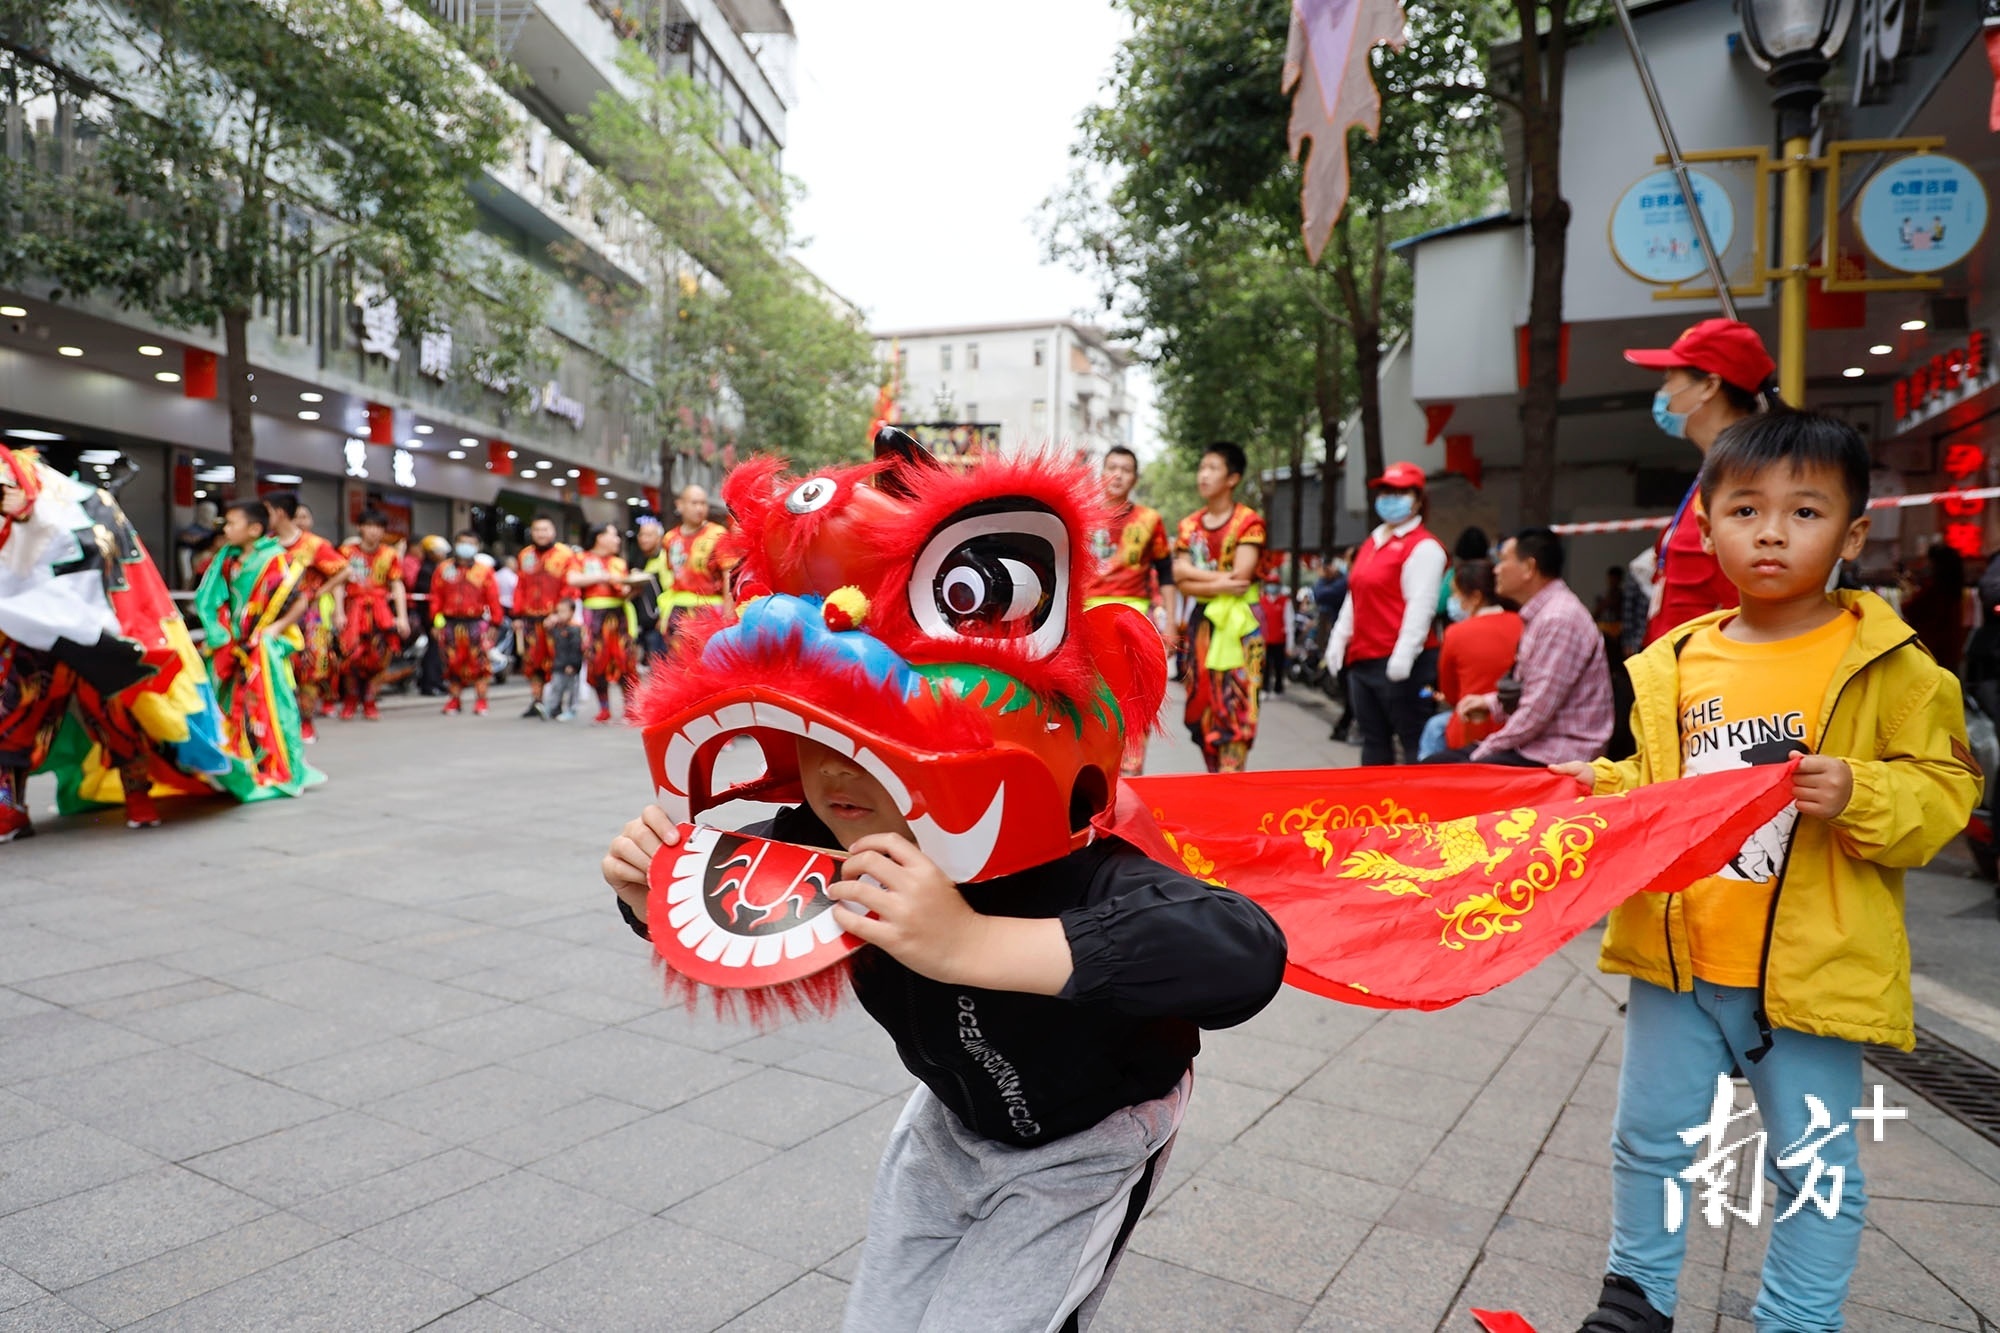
(1880, 502)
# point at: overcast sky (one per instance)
(927, 133)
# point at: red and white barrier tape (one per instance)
(1880, 502)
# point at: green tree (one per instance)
(1186, 206)
(726, 319)
(230, 143)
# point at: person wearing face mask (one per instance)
(545, 564)
(1383, 634)
(1715, 375)
(465, 607)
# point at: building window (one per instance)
(944, 357)
(1038, 414)
(1041, 352)
(971, 409)
(972, 356)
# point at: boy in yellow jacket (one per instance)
(1786, 962)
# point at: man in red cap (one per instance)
(1383, 634)
(1715, 374)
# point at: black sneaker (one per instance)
(1623, 1308)
(535, 710)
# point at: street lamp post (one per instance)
(1795, 41)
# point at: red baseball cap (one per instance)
(1401, 477)
(1724, 347)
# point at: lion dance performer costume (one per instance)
(368, 638)
(99, 681)
(1225, 651)
(1132, 550)
(607, 628)
(696, 565)
(929, 623)
(316, 668)
(244, 593)
(544, 582)
(465, 607)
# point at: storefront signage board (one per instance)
(1943, 382)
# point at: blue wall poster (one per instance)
(1922, 213)
(1652, 235)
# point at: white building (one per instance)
(325, 368)
(1054, 380)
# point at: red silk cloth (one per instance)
(1417, 887)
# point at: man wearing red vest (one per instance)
(1383, 633)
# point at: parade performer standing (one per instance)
(1133, 554)
(653, 581)
(694, 560)
(1794, 956)
(603, 580)
(100, 683)
(1051, 1008)
(322, 570)
(242, 602)
(1215, 563)
(545, 569)
(465, 612)
(376, 614)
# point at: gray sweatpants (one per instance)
(966, 1235)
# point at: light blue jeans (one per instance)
(1675, 1046)
(1433, 737)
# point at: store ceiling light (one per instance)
(456, 453)
(1913, 325)
(12, 312)
(413, 444)
(557, 481)
(611, 495)
(167, 377)
(1880, 349)
(311, 398)
(576, 472)
(632, 500)
(97, 457)
(69, 351)
(39, 436)
(283, 478)
(425, 430)
(512, 454)
(467, 442)
(308, 416)
(1854, 372)
(201, 495)
(149, 350)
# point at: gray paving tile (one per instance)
(340, 1287)
(58, 1040)
(498, 1034)
(47, 1314)
(1396, 1281)
(398, 1191)
(498, 1232)
(634, 1068)
(367, 996)
(382, 1068)
(474, 1104)
(1440, 1219)
(1584, 1254)
(102, 983)
(1546, 1297)
(581, 1121)
(1374, 1147)
(64, 1160)
(1288, 1249)
(166, 1280)
(214, 1016)
(16, 1290)
(203, 1122)
(883, 1074)
(306, 1161)
(157, 1075)
(1298, 1019)
(21, 1118)
(85, 1235)
(1565, 1193)
(654, 1277)
(1467, 1055)
(777, 1107)
(1355, 1084)
(483, 1316)
(1277, 1177)
(1148, 1295)
(825, 1182)
(812, 1304)
(1469, 1170)
(1244, 1057)
(14, 1004)
(592, 1007)
(116, 1007)
(1221, 1110)
(53, 955)
(656, 1162)
(1954, 1238)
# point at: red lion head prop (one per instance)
(928, 623)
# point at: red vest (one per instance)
(1375, 591)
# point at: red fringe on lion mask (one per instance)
(929, 624)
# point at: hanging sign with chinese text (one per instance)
(1922, 213)
(1946, 380)
(1652, 233)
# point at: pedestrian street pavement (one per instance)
(385, 1058)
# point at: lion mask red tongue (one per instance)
(927, 624)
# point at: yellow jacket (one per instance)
(1836, 958)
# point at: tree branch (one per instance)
(1458, 92)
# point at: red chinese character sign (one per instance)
(1946, 379)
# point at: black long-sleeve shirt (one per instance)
(1156, 955)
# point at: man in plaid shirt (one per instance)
(1564, 712)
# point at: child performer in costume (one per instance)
(465, 613)
(242, 603)
(1215, 564)
(377, 615)
(1792, 957)
(920, 655)
(321, 572)
(1132, 552)
(602, 578)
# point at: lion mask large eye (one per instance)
(997, 572)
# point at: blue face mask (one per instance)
(1673, 423)
(1395, 509)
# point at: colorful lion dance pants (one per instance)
(1221, 712)
(36, 693)
(462, 646)
(538, 654)
(317, 667)
(611, 660)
